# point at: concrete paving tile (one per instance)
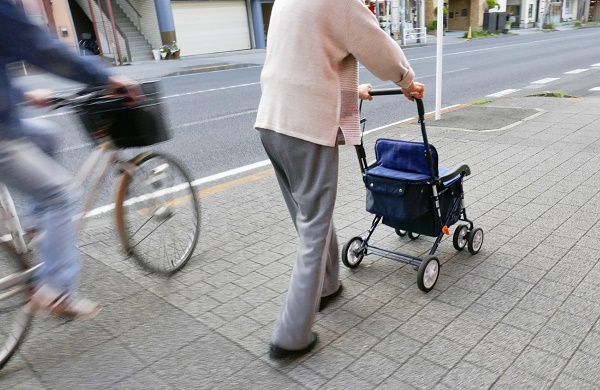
(440, 312)
(47, 350)
(443, 351)
(413, 371)
(505, 260)
(31, 384)
(394, 383)
(264, 314)
(161, 336)
(308, 378)
(464, 332)
(362, 306)
(468, 376)
(340, 321)
(556, 342)
(539, 304)
(491, 357)
(508, 337)
(379, 325)
(143, 380)
(346, 380)
(383, 292)
(526, 274)
(260, 374)
(552, 289)
(329, 362)
(239, 328)
(570, 324)
(512, 286)
(498, 300)
(474, 283)
(17, 372)
(483, 316)
(516, 379)
(591, 344)
(233, 309)
(188, 369)
(398, 347)
(259, 295)
(568, 382)
(355, 342)
(525, 320)
(540, 364)
(581, 307)
(421, 328)
(458, 297)
(373, 367)
(97, 368)
(583, 366)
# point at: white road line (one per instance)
(218, 118)
(209, 90)
(503, 93)
(544, 81)
(595, 89)
(575, 71)
(596, 64)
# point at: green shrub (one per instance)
(577, 24)
(492, 3)
(548, 26)
(480, 34)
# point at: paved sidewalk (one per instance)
(522, 314)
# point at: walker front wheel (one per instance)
(428, 273)
(353, 252)
(460, 237)
(475, 240)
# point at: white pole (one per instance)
(438, 64)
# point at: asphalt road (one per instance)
(212, 113)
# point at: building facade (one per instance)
(129, 30)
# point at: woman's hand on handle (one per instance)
(415, 90)
(363, 92)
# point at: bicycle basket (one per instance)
(140, 124)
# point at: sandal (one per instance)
(55, 303)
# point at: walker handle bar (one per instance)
(398, 91)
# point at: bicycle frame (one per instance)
(96, 166)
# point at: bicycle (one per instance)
(154, 197)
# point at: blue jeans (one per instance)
(26, 165)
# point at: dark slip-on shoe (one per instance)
(325, 300)
(276, 352)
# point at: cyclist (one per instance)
(26, 163)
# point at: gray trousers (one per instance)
(308, 176)
(26, 165)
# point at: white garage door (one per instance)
(211, 26)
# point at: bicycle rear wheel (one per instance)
(157, 213)
(15, 317)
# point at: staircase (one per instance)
(138, 48)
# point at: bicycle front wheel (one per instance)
(157, 213)
(15, 316)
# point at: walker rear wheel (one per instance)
(353, 252)
(401, 232)
(475, 240)
(428, 273)
(413, 236)
(460, 237)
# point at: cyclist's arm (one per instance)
(22, 40)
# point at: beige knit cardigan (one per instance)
(310, 77)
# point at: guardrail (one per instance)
(420, 34)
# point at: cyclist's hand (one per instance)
(415, 90)
(363, 91)
(40, 97)
(124, 86)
